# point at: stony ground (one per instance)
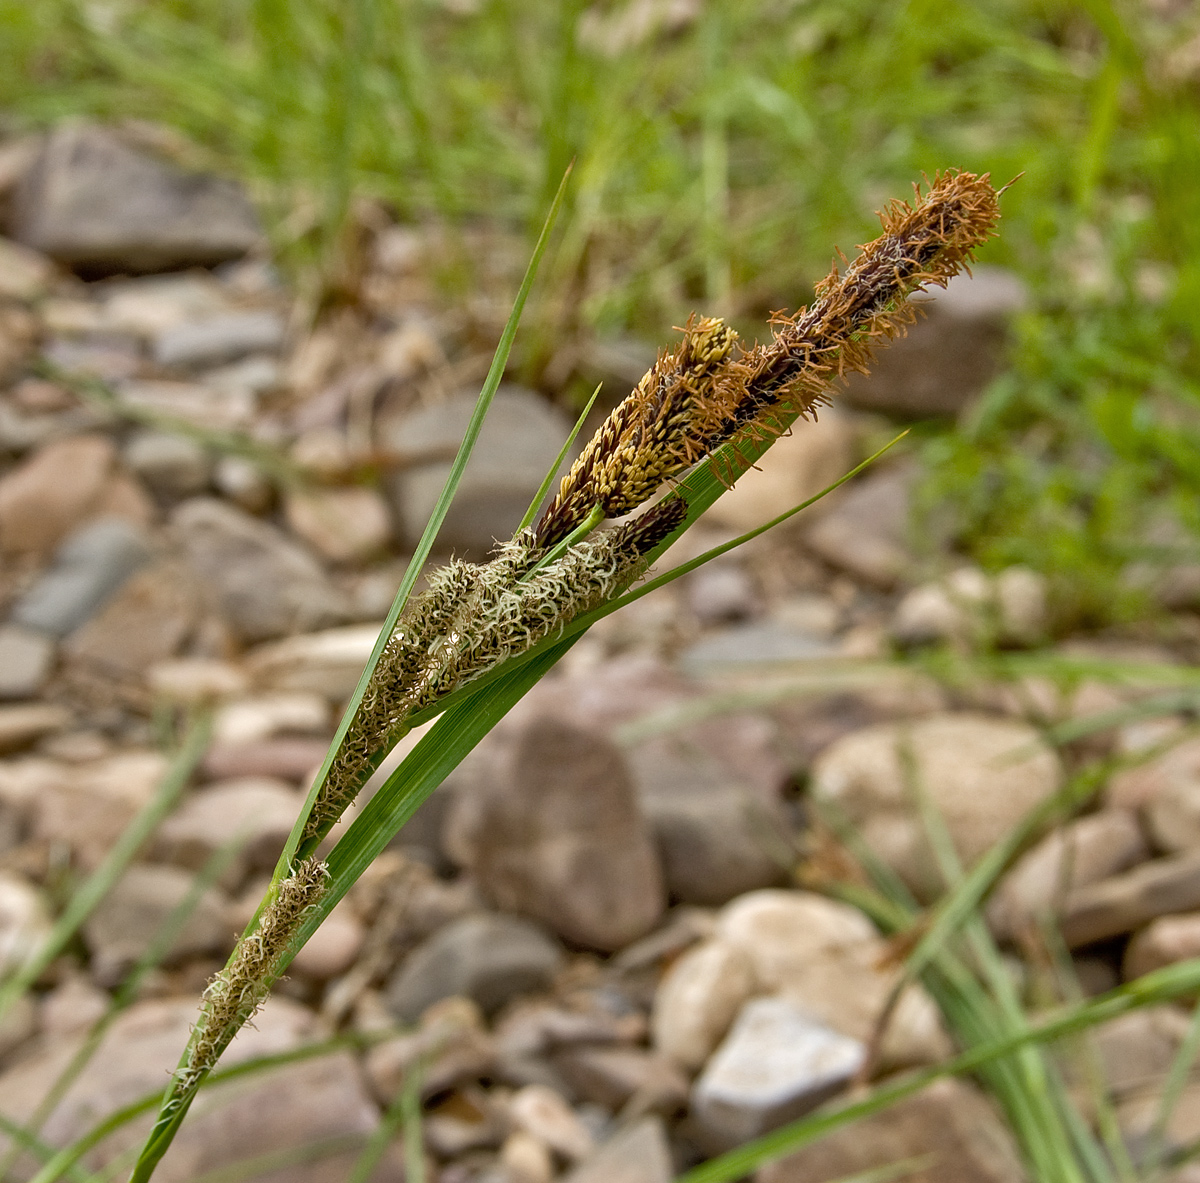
(590, 943)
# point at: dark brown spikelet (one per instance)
(650, 437)
(645, 532)
(924, 243)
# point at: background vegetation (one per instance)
(721, 147)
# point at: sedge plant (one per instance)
(479, 636)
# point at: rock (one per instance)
(211, 408)
(333, 948)
(721, 592)
(74, 1005)
(147, 621)
(21, 725)
(194, 680)
(265, 585)
(88, 568)
(636, 1154)
(1136, 1050)
(949, 1126)
(623, 1078)
(25, 661)
(47, 496)
(24, 922)
(255, 811)
(949, 356)
(798, 466)
(1165, 941)
(827, 958)
(1123, 903)
(776, 1064)
(549, 825)
(697, 999)
(518, 444)
(969, 608)
(173, 466)
(864, 530)
(342, 525)
(86, 807)
(1167, 790)
(98, 205)
(328, 663)
(543, 1114)
(538, 1028)
(525, 1159)
(716, 838)
(241, 481)
(133, 914)
(490, 959)
(24, 274)
(466, 1120)
(152, 304)
(982, 775)
(219, 339)
(1081, 852)
(249, 719)
(290, 758)
(746, 646)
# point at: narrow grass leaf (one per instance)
(546, 485)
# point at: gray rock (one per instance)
(548, 823)
(490, 959)
(172, 466)
(88, 568)
(637, 1154)
(716, 838)
(616, 1077)
(764, 643)
(721, 592)
(1126, 902)
(776, 1064)
(131, 916)
(948, 356)
(948, 1125)
(265, 585)
(520, 440)
(213, 408)
(219, 339)
(98, 205)
(865, 527)
(25, 661)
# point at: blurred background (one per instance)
(255, 257)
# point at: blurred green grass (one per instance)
(718, 157)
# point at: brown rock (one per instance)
(146, 622)
(636, 1154)
(47, 496)
(1165, 941)
(982, 774)
(1081, 852)
(1167, 790)
(343, 525)
(1125, 902)
(549, 826)
(948, 1121)
(21, 725)
(291, 758)
(1137, 1049)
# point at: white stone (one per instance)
(697, 999)
(195, 680)
(777, 1063)
(24, 922)
(327, 663)
(270, 714)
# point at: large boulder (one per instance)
(97, 204)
